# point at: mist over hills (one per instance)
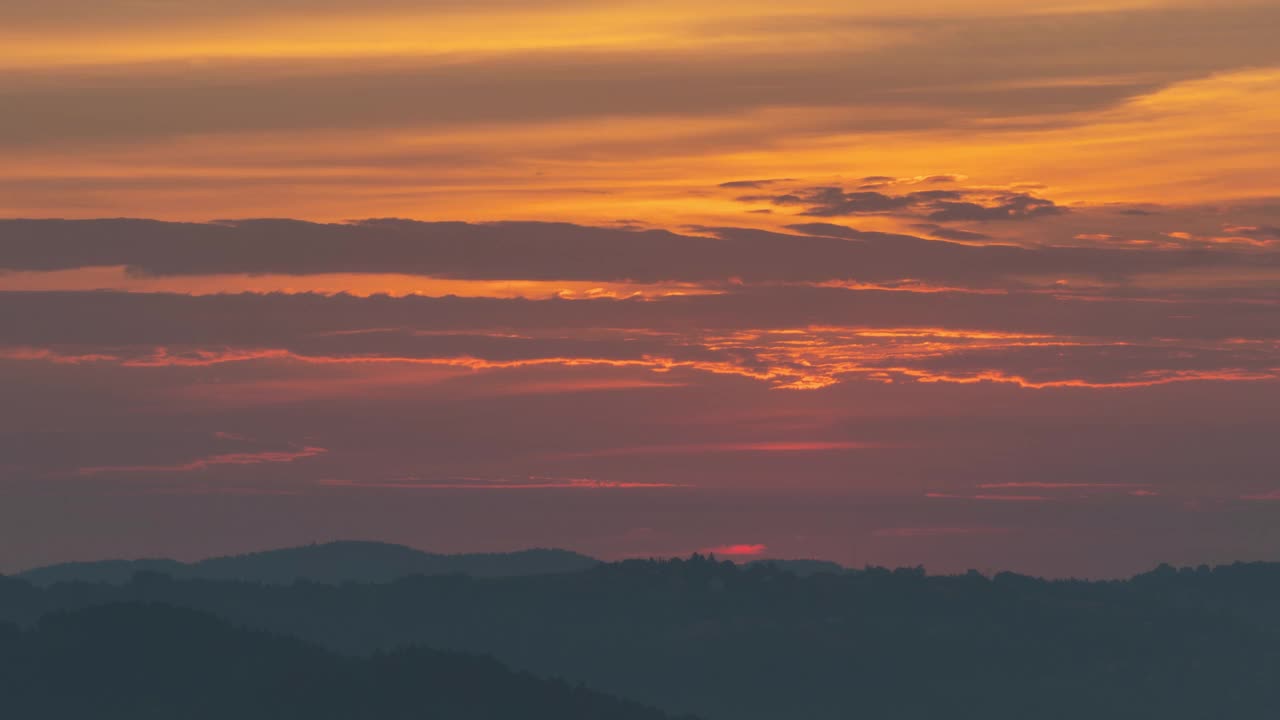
(760, 642)
(333, 562)
(135, 662)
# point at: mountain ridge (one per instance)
(330, 562)
(732, 642)
(341, 561)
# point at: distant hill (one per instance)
(335, 562)
(102, 571)
(138, 662)
(729, 642)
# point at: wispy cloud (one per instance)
(988, 497)
(1041, 485)
(1273, 495)
(928, 532)
(488, 484)
(206, 463)
(775, 446)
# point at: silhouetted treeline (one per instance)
(154, 662)
(735, 643)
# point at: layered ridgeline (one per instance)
(350, 561)
(728, 642)
(334, 562)
(135, 662)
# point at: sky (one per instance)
(989, 285)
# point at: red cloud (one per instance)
(739, 550)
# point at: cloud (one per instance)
(204, 463)
(835, 202)
(61, 417)
(1007, 207)
(281, 96)
(785, 337)
(754, 184)
(486, 484)
(530, 251)
(1271, 496)
(987, 497)
(737, 550)
(73, 14)
(930, 532)
(949, 69)
(1264, 235)
(960, 205)
(1041, 485)
(946, 233)
(766, 446)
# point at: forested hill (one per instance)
(145, 662)
(753, 643)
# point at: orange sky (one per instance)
(819, 278)
(592, 112)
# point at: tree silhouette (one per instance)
(753, 643)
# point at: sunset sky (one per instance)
(983, 284)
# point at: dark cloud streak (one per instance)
(557, 251)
